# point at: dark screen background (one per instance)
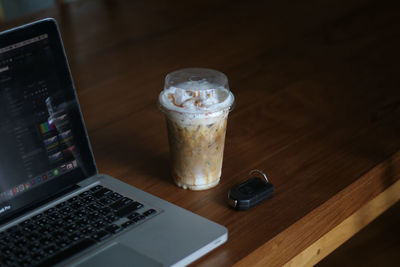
(24, 87)
(42, 136)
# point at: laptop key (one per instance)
(80, 214)
(50, 250)
(115, 196)
(61, 205)
(34, 247)
(54, 216)
(12, 229)
(121, 203)
(102, 192)
(60, 234)
(70, 251)
(9, 262)
(45, 241)
(85, 193)
(6, 239)
(24, 263)
(37, 217)
(128, 209)
(71, 228)
(99, 224)
(66, 211)
(58, 224)
(101, 235)
(111, 218)
(45, 230)
(88, 230)
(69, 219)
(149, 212)
(138, 218)
(76, 205)
(7, 251)
(26, 222)
(50, 211)
(127, 223)
(106, 201)
(33, 237)
(39, 256)
(113, 228)
(87, 200)
(62, 243)
(95, 206)
(133, 215)
(93, 216)
(42, 222)
(82, 222)
(20, 243)
(76, 237)
(96, 188)
(20, 254)
(29, 227)
(105, 210)
(73, 199)
(16, 234)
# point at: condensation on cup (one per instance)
(196, 103)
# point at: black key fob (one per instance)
(250, 193)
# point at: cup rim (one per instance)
(165, 109)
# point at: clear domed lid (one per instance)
(196, 90)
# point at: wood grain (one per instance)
(346, 229)
(378, 244)
(306, 232)
(318, 105)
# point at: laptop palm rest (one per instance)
(119, 255)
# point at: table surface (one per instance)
(317, 105)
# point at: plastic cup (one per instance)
(196, 103)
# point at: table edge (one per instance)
(362, 193)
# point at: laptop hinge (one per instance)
(40, 203)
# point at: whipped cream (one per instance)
(197, 97)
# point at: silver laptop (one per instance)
(55, 208)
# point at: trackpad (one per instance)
(119, 255)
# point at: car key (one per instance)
(250, 193)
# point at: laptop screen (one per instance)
(43, 142)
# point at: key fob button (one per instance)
(250, 193)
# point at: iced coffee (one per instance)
(196, 103)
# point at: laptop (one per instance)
(55, 208)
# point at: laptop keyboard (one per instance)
(70, 227)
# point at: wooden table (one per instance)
(318, 109)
